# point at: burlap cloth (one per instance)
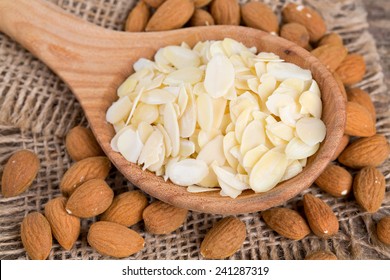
(37, 109)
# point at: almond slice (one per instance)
(130, 145)
(253, 136)
(187, 148)
(219, 76)
(229, 141)
(213, 151)
(297, 149)
(188, 75)
(311, 130)
(150, 153)
(293, 169)
(157, 97)
(253, 156)
(311, 102)
(205, 108)
(285, 70)
(119, 110)
(172, 127)
(224, 175)
(144, 131)
(181, 57)
(268, 171)
(187, 122)
(187, 172)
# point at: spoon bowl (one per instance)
(94, 61)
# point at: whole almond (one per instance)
(19, 173)
(225, 12)
(363, 98)
(307, 17)
(359, 121)
(36, 236)
(352, 69)
(154, 3)
(81, 143)
(162, 218)
(90, 199)
(369, 187)
(369, 151)
(223, 239)
(260, 16)
(201, 18)
(321, 255)
(138, 18)
(383, 230)
(322, 221)
(286, 222)
(65, 227)
(126, 209)
(172, 14)
(295, 33)
(114, 240)
(335, 180)
(330, 55)
(342, 145)
(82, 171)
(201, 3)
(341, 86)
(332, 39)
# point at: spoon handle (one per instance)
(87, 57)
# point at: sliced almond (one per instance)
(219, 76)
(268, 171)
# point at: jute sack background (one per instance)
(37, 109)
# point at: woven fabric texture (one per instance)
(37, 110)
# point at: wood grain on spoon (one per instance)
(94, 61)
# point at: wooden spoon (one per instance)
(93, 62)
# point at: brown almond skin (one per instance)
(260, 16)
(368, 151)
(114, 240)
(223, 239)
(352, 69)
(383, 230)
(341, 86)
(65, 227)
(126, 209)
(36, 236)
(331, 38)
(342, 145)
(162, 218)
(322, 221)
(82, 171)
(153, 3)
(359, 121)
(19, 173)
(201, 18)
(315, 24)
(172, 14)
(363, 98)
(330, 55)
(225, 12)
(286, 222)
(90, 199)
(321, 255)
(81, 143)
(369, 187)
(296, 33)
(201, 3)
(138, 18)
(335, 180)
